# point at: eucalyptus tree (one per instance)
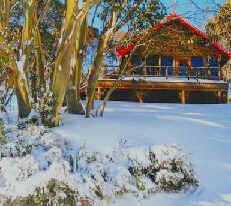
(220, 25)
(219, 28)
(10, 40)
(114, 15)
(39, 51)
(42, 46)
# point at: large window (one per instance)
(183, 68)
(152, 63)
(197, 66)
(213, 64)
(166, 62)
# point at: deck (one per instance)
(182, 86)
(160, 83)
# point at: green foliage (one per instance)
(220, 26)
(45, 107)
(136, 15)
(50, 25)
(148, 14)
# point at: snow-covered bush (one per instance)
(32, 119)
(168, 168)
(20, 142)
(45, 106)
(54, 193)
(35, 155)
(174, 169)
(137, 170)
(17, 169)
(18, 148)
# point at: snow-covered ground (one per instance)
(202, 130)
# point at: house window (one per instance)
(152, 63)
(213, 64)
(137, 65)
(197, 66)
(183, 68)
(166, 63)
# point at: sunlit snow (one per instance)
(203, 130)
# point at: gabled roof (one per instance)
(172, 17)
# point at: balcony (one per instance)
(168, 72)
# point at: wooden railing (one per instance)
(211, 73)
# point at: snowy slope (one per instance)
(203, 130)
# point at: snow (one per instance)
(20, 65)
(126, 134)
(174, 79)
(60, 68)
(80, 4)
(73, 62)
(202, 130)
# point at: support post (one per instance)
(219, 96)
(187, 96)
(206, 65)
(189, 63)
(159, 69)
(98, 94)
(219, 68)
(174, 64)
(166, 72)
(140, 96)
(144, 68)
(177, 63)
(183, 97)
(226, 98)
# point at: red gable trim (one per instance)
(174, 16)
(123, 51)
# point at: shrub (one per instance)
(19, 148)
(168, 168)
(36, 154)
(54, 193)
(17, 169)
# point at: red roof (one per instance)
(173, 16)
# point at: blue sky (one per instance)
(191, 13)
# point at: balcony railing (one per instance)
(211, 73)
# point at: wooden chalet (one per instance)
(176, 63)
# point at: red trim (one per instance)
(122, 51)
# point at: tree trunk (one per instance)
(94, 73)
(99, 58)
(106, 98)
(63, 66)
(124, 68)
(74, 104)
(24, 107)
